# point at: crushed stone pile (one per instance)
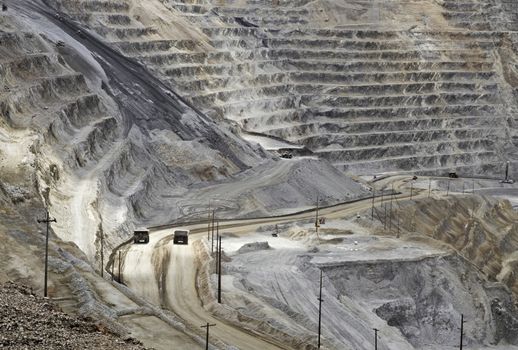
(28, 321)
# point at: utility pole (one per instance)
(385, 218)
(102, 253)
(316, 218)
(397, 236)
(208, 224)
(391, 198)
(461, 330)
(47, 221)
(120, 267)
(208, 325)
(320, 310)
(217, 247)
(212, 236)
(219, 270)
(372, 206)
(376, 338)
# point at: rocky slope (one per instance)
(413, 287)
(370, 86)
(103, 143)
(31, 322)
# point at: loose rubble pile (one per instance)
(28, 321)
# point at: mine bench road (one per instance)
(165, 274)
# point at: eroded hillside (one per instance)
(105, 145)
(421, 86)
(121, 113)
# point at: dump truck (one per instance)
(181, 237)
(141, 236)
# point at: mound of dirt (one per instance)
(28, 321)
(252, 247)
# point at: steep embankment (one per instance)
(483, 230)
(31, 322)
(416, 86)
(105, 145)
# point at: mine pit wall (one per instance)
(482, 231)
(425, 298)
(97, 177)
(322, 75)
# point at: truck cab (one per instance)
(141, 236)
(181, 237)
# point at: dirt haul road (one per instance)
(165, 274)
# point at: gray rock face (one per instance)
(424, 300)
(425, 87)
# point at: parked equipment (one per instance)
(141, 236)
(286, 155)
(181, 237)
(453, 176)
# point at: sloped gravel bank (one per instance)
(28, 321)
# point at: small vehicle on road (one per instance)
(453, 175)
(181, 237)
(141, 236)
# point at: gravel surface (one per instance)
(31, 322)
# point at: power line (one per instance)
(47, 221)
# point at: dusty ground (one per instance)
(372, 278)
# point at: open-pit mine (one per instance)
(259, 174)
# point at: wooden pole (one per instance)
(316, 218)
(47, 221)
(212, 236)
(391, 198)
(219, 272)
(461, 330)
(217, 247)
(208, 224)
(208, 325)
(320, 310)
(372, 206)
(120, 267)
(102, 253)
